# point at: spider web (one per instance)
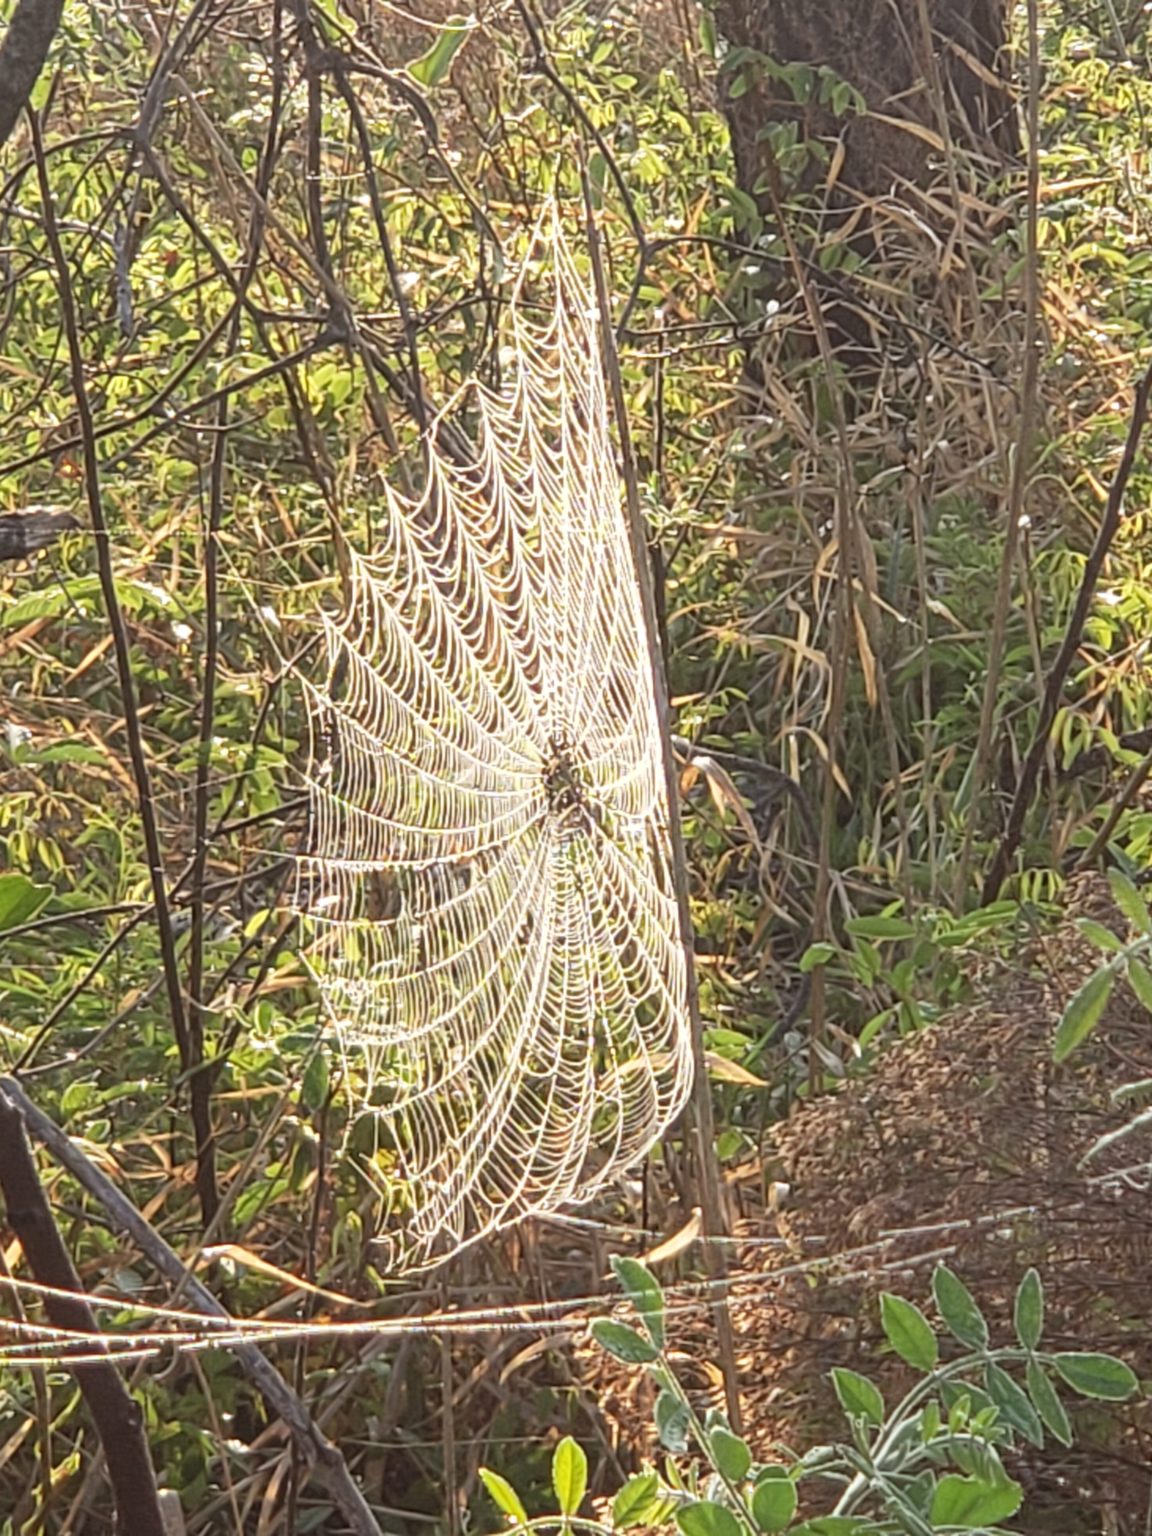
(489, 874)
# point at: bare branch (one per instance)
(1073, 634)
(32, 528)
(29, 37)
(118, 1420)
(329, 1466)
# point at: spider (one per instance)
(562, 786)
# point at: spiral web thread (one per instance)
(489, 873)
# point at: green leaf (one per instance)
(964, 1398)
(957, 1306)
(644, 1292)
(858, 1397)
(1012, 1401)
(504, 1496)
(20, 900)
(977, 1457)
(1102, 937)
(431, 67)
(958, 1403)
(77, 1095)
(1101, 1376)
(672, 1422)
(314, 1083)
(880, 928)
(623, 1343)
(1082, 1013)
(707, 1518)
(730, 1455)
(1029, 1310)
(635, 1502)
(256, 1196)
(1140, 980)
(569, 1475)
(1130, 902)
(65, 752)
(970, 1502)
(1047, 1403)
(773, 1503)
(909, 1332)
(83, 598)
(919, 1491)
(817, 954)
(52, 602)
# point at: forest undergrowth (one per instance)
(279, 269)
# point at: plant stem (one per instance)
(1109, 526)
(121, 645)
(1021, 465)
(707, 1166)
(119, 1421)
(328, 1464)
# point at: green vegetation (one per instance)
(932, 1462)
(246, 254)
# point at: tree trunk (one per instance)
(880, 47)
(931, 100)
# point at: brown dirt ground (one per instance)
(964, 1143)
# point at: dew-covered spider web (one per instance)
(488, 875)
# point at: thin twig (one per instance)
(1021, 467)
(707, 1169)
(200, 1079)
(121, 644)
(1132, 788)
(1073, 634)
(856, 627)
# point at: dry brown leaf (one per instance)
(867, 657)
(241, 1255)
(725, 795)
(837, 165)
(731, 1071)
(917, 130)
(678, 1242)
(981, 71)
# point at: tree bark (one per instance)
(879, 47)
(22, 55)
(935, 103)
(118, 1420)
(32, 528)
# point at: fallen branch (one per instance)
(119, 1422)
(1054, 686)
(328, 1465)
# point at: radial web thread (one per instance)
(488, 876)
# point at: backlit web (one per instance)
(488, 875)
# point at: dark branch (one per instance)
(1073, 634)
(32, 528)
(30, 34)
(118, 1420)
(328, 1464)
